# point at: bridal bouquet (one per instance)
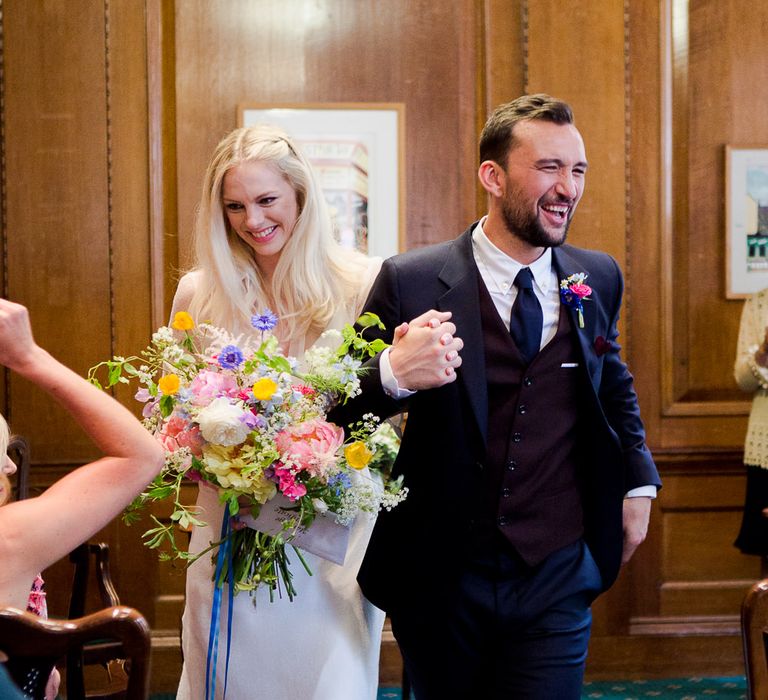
(238, 416)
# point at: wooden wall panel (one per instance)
(337, 51)
(75, 225)
(565, 44)
(56, 194)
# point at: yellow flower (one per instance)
(357, 455)
(182, 321)
(264, 389)
(169, 384)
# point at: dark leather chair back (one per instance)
(26, 637)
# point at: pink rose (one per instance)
(206, 386)
(581, 290)
(311, 446)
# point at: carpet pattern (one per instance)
(667, 689)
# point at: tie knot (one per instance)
(524, 279)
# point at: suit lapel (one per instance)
(459, 274)
(566, 265)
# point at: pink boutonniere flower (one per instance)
(573, 291)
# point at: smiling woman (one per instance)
(265, 248)
(261, 208)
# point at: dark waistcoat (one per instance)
(531, 491)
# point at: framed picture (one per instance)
(746, 217)
(357, 150)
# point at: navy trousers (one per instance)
(507, 632)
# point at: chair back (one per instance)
(25, 636)
(103, 653)
(754, 635)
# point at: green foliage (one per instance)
(355, 345)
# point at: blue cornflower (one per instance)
(230, 357)
(341, 482)
(265, 321)
(348, 368)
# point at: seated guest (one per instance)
(37, 532)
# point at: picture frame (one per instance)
(746, 220)
(358, 152)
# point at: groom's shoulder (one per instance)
(425, 257)
(589, 258)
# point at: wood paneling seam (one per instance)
(524, 25)
(4, 197)
(627, 180)
(110, 232)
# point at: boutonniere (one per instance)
(573, 291)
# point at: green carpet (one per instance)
(668, 689)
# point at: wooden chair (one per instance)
(107, 653)
(754, 635)
(24, 636)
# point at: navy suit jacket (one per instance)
(416, 546)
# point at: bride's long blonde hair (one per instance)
(5, 483)
(314, 276)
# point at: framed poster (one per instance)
(746, 220)
(357, 150)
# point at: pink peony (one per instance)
(311, 446)
(207, 385)
(178, 433)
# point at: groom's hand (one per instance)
(637, 513)
(425, 351)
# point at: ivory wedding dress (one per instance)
(324, 645)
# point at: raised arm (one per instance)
(37, 532)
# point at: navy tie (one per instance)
(526, 321)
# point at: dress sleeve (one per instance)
(748, 374)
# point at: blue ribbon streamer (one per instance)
(224, 554)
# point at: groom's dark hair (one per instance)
(498, 137)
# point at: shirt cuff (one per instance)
(647, 491)
(388, 381)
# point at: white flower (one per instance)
(320, 505)
(221, 422)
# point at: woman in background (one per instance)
(36, 532)
(263, 240)
(751, 373)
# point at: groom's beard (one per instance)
(527, 227)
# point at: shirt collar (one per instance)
(503, 268)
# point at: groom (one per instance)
(529, 478)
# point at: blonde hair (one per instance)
(5, 483)
(314, 276)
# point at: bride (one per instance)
(263, 240)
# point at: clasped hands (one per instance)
(425, 351)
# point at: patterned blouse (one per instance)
(753, 378)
